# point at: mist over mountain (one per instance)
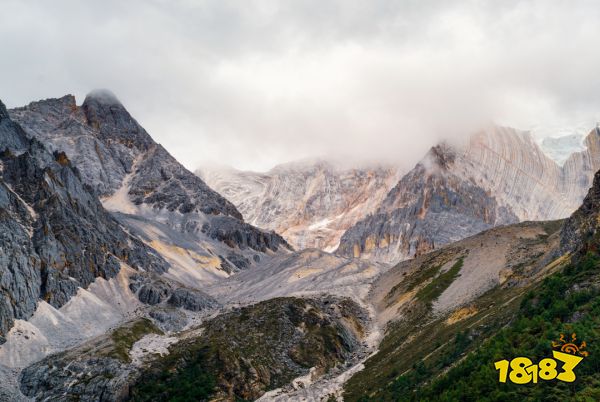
(500, 177)
(124, 273)
(253, 86)
(310, 203)
(305, 201)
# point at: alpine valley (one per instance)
(124, 276)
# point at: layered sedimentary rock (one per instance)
(133, 174)
(500, 176)
(310, 203)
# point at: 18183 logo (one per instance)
(560, 366)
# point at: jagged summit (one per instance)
(56, 236)
(104, 112)
(441, 155)
(65, 104)
(131, 172)
(311, 202)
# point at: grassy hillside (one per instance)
(423, 346)
(566, 302)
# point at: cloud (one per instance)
(256, 83)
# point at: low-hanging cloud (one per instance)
(255, 83)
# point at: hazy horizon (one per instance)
(256, 84)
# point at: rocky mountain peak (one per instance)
(310, 202)
(54, 106)
(500, 176)
(132, 173)
(441, 155)
(56, 236)
(104, 112)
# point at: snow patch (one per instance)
(560, 148)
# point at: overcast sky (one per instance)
(256, 83)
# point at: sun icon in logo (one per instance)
(571, 347)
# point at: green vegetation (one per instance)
(420, 346)
(241, 354)
(416, 345)
(440, 283)
(125, 336)
(430, 267)
(551, 227)
(193, 380)
(565, 302)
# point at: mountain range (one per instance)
(500, 176)
(124, 276)
(310, 203)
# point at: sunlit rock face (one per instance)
(310, 203)
(500, 176)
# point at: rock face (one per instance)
(156, 290)
(132, 173)
(501, 176)
(56, 236)
(580, 232)
(107, 144)
(99, 370)
(310, 203)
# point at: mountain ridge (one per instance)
(135, 175)
(310, 202)
(518, 180)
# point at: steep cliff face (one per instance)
(501, 176)
(310, 203)
(580, 234)
(56, 236)
(135, 175)
(429, 207)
